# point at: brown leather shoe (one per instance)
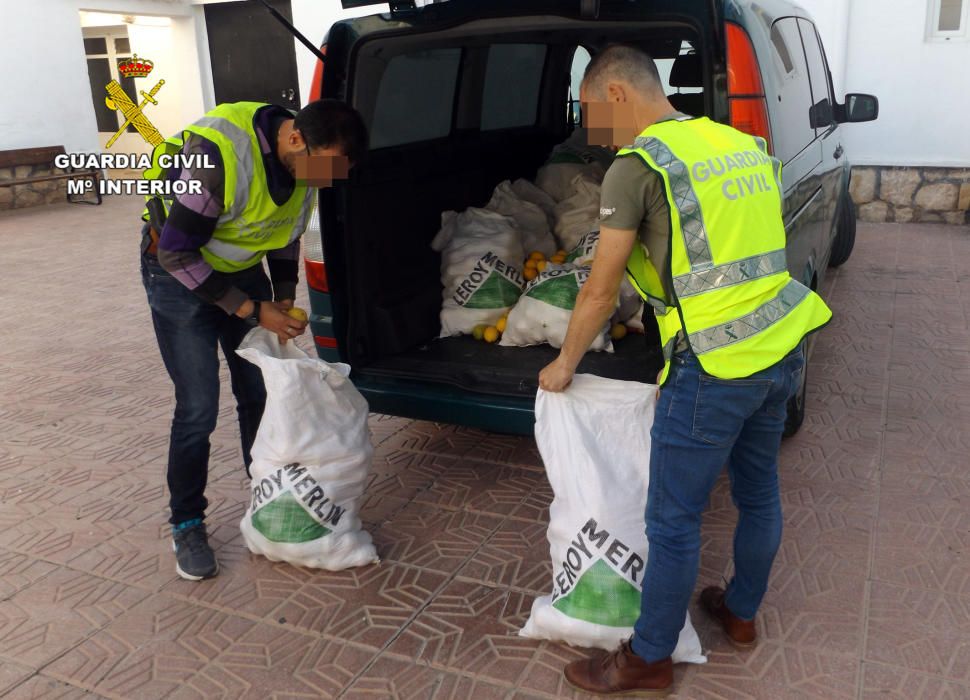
(741, 633)
(622, 673)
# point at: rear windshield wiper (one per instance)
(294, 31)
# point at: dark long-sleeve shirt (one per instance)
(192, 219)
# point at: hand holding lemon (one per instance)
(284, 319)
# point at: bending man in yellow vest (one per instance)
(711, 264)
(255, 167)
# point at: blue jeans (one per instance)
(701, 425)
(189, 332)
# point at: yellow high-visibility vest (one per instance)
(251, 223)
(732, 296)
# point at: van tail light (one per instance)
(316, 270)
(325, 342)
(316, 275)
(746, 93)
(316, 87)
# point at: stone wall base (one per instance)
(36, 193)
(904, 195)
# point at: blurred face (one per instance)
(317, 167)
(322, 167)
(612, 121)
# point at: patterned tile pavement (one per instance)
(870, 596)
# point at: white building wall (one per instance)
(923, 85)
(314, 19)
(42, 104)
(47, 107)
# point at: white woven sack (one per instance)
(531, 220)
(579, 213)
(542, 313)
(481, 268)
(311, 460)
(594, 439)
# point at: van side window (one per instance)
(581, 59)
(789, 92)
(513, 77)
(819, 73)
(416, 96)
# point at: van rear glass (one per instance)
(513, 77)
(790, 93)
(415, 98)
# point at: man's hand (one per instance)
(273, 317)
(595, 304)
(556, 376)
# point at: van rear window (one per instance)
(416, 97)
(513, 78)
(792, 101)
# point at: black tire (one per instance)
(796, 404)
(845, 233)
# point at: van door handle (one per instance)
(838, 152)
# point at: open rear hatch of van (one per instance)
(458, 97)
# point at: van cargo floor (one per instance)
(491, 369)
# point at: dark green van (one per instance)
(462, 95)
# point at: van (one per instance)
(461, 95)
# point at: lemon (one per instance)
(561, 253)
(491, 334)
(502, 322)
(530, 264)
(618, 331)
(530, 273)
(536, 255)
(558, 259)
(478, 332)
(297, 313)
(541, 265)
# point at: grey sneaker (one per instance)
(195, 559)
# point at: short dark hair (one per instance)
(333, 123)
(623, 62)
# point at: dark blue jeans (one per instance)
(701, 425)
(189, 332)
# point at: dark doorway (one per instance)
(253, 55)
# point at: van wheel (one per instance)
(845, 234)
(796, 404)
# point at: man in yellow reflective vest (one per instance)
(254, 167)
(691, 213)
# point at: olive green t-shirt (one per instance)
(633, 198)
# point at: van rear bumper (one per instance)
(442, 403)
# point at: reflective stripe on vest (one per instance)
(241, 145)
(685, 199)
(251, 223)
(730, 273)
(758, 320)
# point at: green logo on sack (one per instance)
(558, 291)
(290, 506)
(597, 579)
(492, 284)
(603, 597)
(497, 292)
(285, 520)
(558, 287)
(585, 248)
